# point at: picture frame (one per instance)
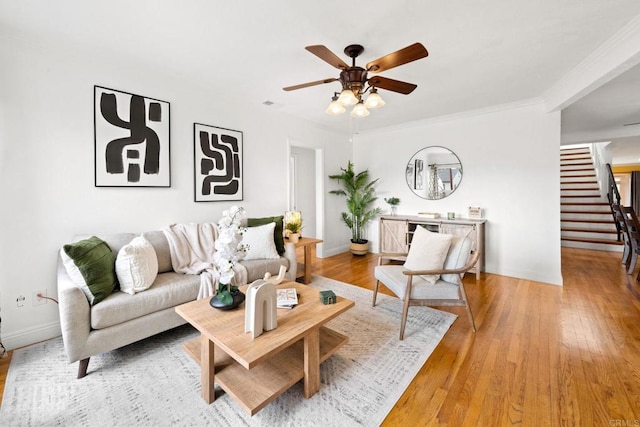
(131, 140)
(218, 168)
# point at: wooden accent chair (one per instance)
(412, 288)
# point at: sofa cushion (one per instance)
(161, 246)
(168, 290)
(90, 264)
(278, 233)
(136, 266)
(258, 267)
(260, 243)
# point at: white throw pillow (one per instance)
(136, 266)
(428, 251)
(260, 241)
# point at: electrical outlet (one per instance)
(20, 300)
(37, 300)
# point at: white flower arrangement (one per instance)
(229, 251)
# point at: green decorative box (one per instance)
(327, 297)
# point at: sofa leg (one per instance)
(82, 367)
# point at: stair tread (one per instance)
(587, 221)
(588, 240)
(582, 196)
(588, 230)
(572, 211)
(585, 203)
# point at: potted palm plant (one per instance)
(360, 193)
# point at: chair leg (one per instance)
(632, 262)
(375, 293)
(82, 367)
(403, 321)
(463, 295)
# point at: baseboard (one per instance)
(32, 335)
(327, 252)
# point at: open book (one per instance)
(287, 297)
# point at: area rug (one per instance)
(155, 383)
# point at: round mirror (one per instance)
(434, 173)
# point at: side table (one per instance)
(308, 244)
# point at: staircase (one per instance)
(585, 215)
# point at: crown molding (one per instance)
(616, 55)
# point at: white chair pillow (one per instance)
(457, 257)
(260, 241)
(428, 251)
(136, 266)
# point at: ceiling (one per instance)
(481, 53)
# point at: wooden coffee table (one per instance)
(256, 371)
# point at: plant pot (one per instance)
(238, 298)
(359, 248)
(294, 237)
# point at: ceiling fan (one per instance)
(355, 79)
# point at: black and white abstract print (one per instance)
(131, 140)
(217, 163)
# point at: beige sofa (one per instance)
(121, 319)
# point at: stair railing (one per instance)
(613, 196)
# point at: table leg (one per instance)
(207, 369)
(311, 362)
(307, 264)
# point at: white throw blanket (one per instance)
(192, 247)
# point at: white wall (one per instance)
(47, 173)
(511, 163)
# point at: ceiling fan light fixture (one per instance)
(359, 110)
(347, 97)
(374, 100)
(335, 107)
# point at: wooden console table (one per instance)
(308, 244)
(396, 233)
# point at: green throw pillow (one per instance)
(96, 263)
(278, 233)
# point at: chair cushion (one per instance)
(428, 251)
(457, 257)
(391, 276)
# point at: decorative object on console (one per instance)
(436, 166)
(217, 163)
(131, 140)
(475, 212)
(229, 251)
(393, 203)
(431, 215)
(354, 79)
(360, 194)
(451, 215)
(293, 217)
(260, 308)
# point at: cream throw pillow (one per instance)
(260, 241)
(136, 266)
(428, 251)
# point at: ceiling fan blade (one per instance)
(303, 85)
(326, 55)
(392, 85)
(631, 124)
(408, 54)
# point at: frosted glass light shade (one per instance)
(359, 110)
(374, 100)
(347, 97)
(335, 107)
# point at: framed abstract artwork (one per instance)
(218, 171)
(131, 140)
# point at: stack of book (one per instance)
(287, 298)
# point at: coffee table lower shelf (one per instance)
(254, 388)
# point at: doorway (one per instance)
(305, 188)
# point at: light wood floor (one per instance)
(543, 355)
